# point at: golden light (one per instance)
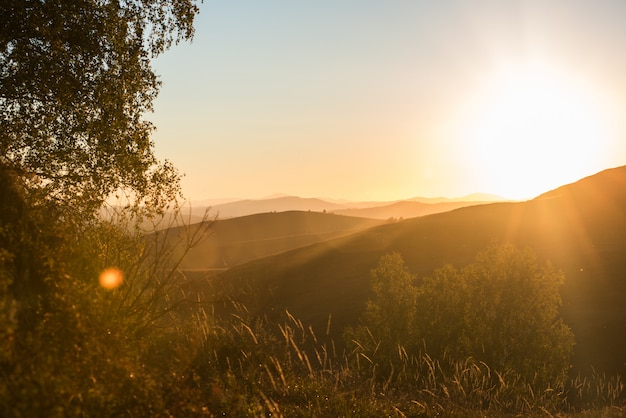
(111, 278)
(533, 129)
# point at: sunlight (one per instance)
(534, 129)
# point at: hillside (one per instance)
(474, 197)
(238, 240)
(579, 227)
(417, 206)
(279, 204)
(406, 209)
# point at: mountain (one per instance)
(578, 227)
(474, 197)
(278, 204)
(228, 208)
(213, 202)
(407, 209)
(238, 240)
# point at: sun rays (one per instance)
(532, 128)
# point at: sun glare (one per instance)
(533, 130)
(111, 278)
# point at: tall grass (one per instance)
(256, 368)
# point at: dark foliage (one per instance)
(75, 80)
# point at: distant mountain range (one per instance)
(409, 208)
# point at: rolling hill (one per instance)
(238, 240)
(579, 227)
(406, 209)
(417, 206)
(279, 204)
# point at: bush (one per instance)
(389, 318)
(71, 347)
(502, 310)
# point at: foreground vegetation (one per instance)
(296, 375)
(151, 347)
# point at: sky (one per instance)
(372, 100)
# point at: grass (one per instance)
(254, 368)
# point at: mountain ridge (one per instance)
(244, 207)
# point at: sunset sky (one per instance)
(373, 100)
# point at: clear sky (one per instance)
(384, 100)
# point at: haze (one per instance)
(369, 100)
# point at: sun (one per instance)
(533, 129)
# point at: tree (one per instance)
(72, 347)
(75, 80)
(389, 318)
(503, 310)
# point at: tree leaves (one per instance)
(503, 309)
(75, 82)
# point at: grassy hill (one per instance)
(238, 240)
(407, 209)
(579, 227)
(279, 204)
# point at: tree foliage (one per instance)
(71, 347)
(390, 316)
(503, 309)
(75, 80)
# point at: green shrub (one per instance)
(390, 317)
(71, 347)
(502, 310)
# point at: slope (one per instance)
(417, 206)
(279, 204)
(238, 240)
(406, 209)
(579, 227)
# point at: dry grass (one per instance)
(253, 368)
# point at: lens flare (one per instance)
(111, 278)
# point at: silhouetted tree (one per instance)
(503, 309)
(388, 323)
(75, 80)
